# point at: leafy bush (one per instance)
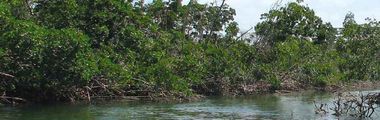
(45, 61)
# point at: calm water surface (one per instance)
(298, 106)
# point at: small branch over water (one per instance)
(360, 106)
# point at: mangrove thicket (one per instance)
(67, 50)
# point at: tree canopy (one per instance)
(294, 20)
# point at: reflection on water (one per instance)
(295, 106)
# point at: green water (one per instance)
(282, 107)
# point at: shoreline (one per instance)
(338, 88)
(342, 87)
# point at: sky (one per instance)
(248, 11)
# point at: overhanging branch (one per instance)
(7, 75)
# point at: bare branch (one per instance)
(7, 75)
(244, 33)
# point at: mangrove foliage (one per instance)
(67, 50)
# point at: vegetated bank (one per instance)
(84, 49)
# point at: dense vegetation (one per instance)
(64, 50)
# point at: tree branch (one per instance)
(217, 15)
(7, 75)
(244, 33)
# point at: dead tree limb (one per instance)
(6, 75)
(241, 36)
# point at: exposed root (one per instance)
(11, 100)
(360, 106)
(321, 109)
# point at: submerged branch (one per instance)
(360, 106)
